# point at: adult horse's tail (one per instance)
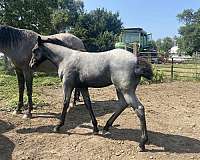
(143, 68)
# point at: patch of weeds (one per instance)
(158, 77)
(9, 88)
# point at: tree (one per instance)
(168, 43)
(65, 14)
(164, 45)
(190, 31)
(28, 14)
(159, 45)
(98, 29)
(41, 16)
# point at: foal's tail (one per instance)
(143, 68)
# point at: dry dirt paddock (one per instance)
(173, 121)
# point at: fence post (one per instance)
(172, 69)
(196, 65)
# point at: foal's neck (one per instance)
(56, 54)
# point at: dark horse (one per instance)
(83, 69)
(17, 44)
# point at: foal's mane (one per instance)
(12, 37)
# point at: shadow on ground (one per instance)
(6, 145)
(169, 142)
(79, 115)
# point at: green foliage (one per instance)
(164, 45)
(187, 16)
(158, 75)
(65, 14)
(28, 14)
(190, 31)
(98, 29)
(41, 16)
(9, 87)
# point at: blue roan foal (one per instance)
(83, 70)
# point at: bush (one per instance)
(158, 77)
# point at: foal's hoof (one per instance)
(95, 132)
(105, 133)
(141, 148)
(56, 129)
(71, 105)
(27, 116)
(16, 112)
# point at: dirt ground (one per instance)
(173, 121)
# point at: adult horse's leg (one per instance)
(122, 106)
(132, 100)
(21, 81)
(76, 96)
(67, 95)
(29, 83)
(86, 97)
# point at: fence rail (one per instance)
(178, 69)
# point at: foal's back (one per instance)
(99, 69)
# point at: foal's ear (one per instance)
(39, 40)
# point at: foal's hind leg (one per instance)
(21, 82)
(132, 100)
(122, 106)
(86, 97)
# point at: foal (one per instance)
(83, 70)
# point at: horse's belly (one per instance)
(96, 82)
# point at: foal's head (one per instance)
(37, 54)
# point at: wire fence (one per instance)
(177, 68)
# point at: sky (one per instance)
(154, 16)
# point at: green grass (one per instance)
(9, 87)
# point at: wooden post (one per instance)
(196, 65)
(172, 69)
(135, 48)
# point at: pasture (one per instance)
(187, 70)
(172, 113)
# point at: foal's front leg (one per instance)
(86, 97)
(67, 94)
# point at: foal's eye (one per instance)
(35, 54)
